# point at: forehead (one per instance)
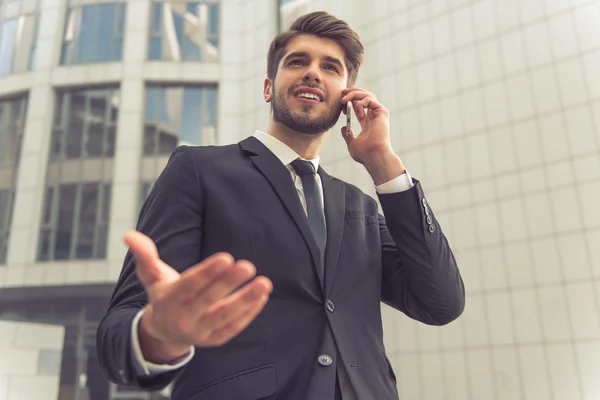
(315, 46)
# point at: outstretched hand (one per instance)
(204, 306)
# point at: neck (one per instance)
(306, 145)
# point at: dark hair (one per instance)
(323, 25)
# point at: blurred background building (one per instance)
(495, 107)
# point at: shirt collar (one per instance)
(281, 150)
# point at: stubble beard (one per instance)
(303, 122)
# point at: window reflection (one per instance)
(75, 221)
(17, 43)
(12, 125)
(178, 115)
(94, 33)
(78, 188)
(84, 126)
(184, 31)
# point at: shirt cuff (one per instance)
(148, 369)
(399, 184)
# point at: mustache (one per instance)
(292, 89)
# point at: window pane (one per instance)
(4, 205)
(56, 145)
(44, 251)
(167, 142)
(149, 139)
(89, 115)
(102, 239)
(75, 137)
(156, 21)
(106, 203)
(94, 34)
(110, 141)
(211, 106)
(122, 14)
(3, 244)
(107, 14)
(64, 230)
(12, 124)
(155, 49)
(48, 206)
(191, 117)
(95, 139)
(86, 39)
(213, 19)
(8, 40)
(179, 115)
(193, 25)
(87, 220)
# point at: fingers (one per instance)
(348, 137)
(149, 268)
(357, 90)
(237, 325)
(361, 101)
(224, 285)
(198, 278)
(229, 316)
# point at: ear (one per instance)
(268, 90)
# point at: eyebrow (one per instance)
(303, 54)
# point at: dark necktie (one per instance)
(314, 206)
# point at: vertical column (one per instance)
(22, 246)
(265, 29)
(230, 94)
(128, 149)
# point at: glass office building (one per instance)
(94, 97)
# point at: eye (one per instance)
(331, 67)
(296, 62)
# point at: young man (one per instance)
(189, 308)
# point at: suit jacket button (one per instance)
(329, 305)
(431, 228)
(325, 360)
(429, 220)
(123, 376)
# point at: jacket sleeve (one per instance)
(420, 276)
(172, 217)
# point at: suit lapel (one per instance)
(279, 178)
(335, 206)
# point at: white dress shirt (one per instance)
(286, 155)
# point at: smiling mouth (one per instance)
(310, 97)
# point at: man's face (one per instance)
(308, 86)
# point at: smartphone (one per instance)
(348, 116)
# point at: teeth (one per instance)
(309, 96)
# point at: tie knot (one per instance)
(303, 168)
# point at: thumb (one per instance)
(149, 267)
(348, 137)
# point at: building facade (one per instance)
(495, 107)
(94, 97)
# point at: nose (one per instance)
(312, 74)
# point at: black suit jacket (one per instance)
(241, 199)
